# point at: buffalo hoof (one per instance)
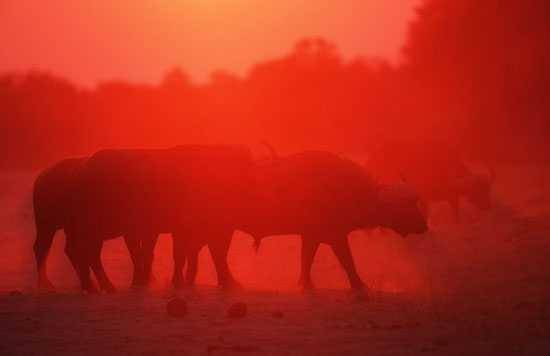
(360, 287)
(178, 284)
(306, 285)
(138, 281)
(188, 284)
(152, 280)
(232, 286)
(46, 286)
(143, 280)
(143, 283)
(90, 289)
(108, 288)
(361, 292)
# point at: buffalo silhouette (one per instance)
(474, 187)
(201, 194)
(191, 191)
(456, 183)
(54, 196)
(321, 197)
(435, 170)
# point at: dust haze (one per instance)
(467, 102)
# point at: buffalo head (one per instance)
(399, 209)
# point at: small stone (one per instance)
(177, 307)
(237, 310)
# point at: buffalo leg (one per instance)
(179, 252)
(81, 256)
(95, 262)
(342, 251)
(134, 248)
(70, 251)
(309, 249)
(76, 260)
(186, 248)
(219, 248)
(192, 263)
(84, 276)
(148, 244)
(42, 244)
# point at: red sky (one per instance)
(138, 40)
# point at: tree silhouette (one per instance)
(474, 74)
(486, 66)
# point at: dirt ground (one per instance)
(322, 323)
(476, 288)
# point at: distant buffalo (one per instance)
(323, 198)
(435, 170)
(474, 187)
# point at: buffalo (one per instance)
(190, 191)
(53, 198)
(55, 194)
(322, 198)
(435, 170)
(201, 194)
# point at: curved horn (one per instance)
(274, 154)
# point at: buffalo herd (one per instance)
(201, 194)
